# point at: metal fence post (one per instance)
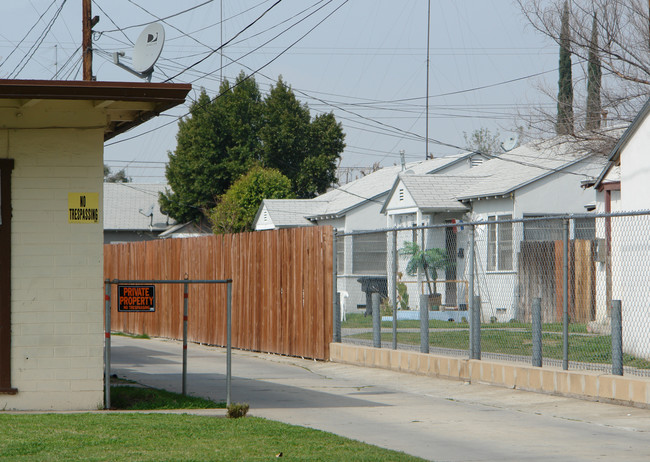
(185, 295)
(617, 338)
(565, 296)
(537, 332)
(107, 345)
(336, 336)
(424, 323)
(394, 294)
(376, 320)
(473, 306)
(228, 342)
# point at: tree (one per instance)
(216, 144)
(117, 177)
(305, 150)
(224, 137)
(623, 48)
(564, 124)
(236, 209)
(594, 80)
(427, 260)
(483, 141)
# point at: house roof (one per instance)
(127, 204)
(628, 134)
(434, 192)
(287, 213)
(371, 187)
(126, 104)
(526, 164)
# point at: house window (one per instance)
(543, 230)
(340, 255)
(369, 253)
(585, 228)
(499, 244)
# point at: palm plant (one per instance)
(429, 261)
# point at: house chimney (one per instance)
(401, 155)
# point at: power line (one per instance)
(226, 43)
(37, 43)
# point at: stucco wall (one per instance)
(57, 271)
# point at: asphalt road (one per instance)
(435, 419)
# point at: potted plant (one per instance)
(428, 261)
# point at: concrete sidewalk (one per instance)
(436, 419)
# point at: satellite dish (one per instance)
(148, 212)
(510, 143)
(146, 51)
(148, 47)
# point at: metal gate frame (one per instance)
(107, 328)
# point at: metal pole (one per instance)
(376, 321)
(336, 335)
(475, 317)
(107, 346)
(394, 295)
(185, 295)
(617, 338)
(424, 310)
(565, 297)
(229, 343)
(537, 332)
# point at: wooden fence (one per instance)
(281, 296)
(541, 274)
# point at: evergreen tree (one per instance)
(224, 138)
(594, 78)
(564, 123)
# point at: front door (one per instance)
(6, 165)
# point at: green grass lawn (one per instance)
(356, 320)
(165, 437)
(137, 398)
(583, 348)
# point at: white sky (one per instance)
(358, 62)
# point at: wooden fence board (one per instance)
(281, 298)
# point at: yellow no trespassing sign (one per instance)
(83, 207)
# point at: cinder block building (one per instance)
(51, 236)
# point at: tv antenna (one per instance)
(146, 51)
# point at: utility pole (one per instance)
(426, 135)
(88, 22)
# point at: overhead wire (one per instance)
(226, 43)
(30, 53)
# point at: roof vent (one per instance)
(401, 194)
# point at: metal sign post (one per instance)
(150, 308)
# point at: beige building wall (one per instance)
(57, 267)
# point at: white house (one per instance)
(535, 180)
(623, 272)
(355, 206)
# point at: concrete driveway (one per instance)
(435, 419)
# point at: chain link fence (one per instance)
(537, 290)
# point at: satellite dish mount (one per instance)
(146, 52)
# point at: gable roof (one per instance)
(628, 134)
(372, 187)
(526, 164)
(434, 192)
(122, 205)
(287, 213)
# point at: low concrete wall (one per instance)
(634, 391)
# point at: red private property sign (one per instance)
(136, 298)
